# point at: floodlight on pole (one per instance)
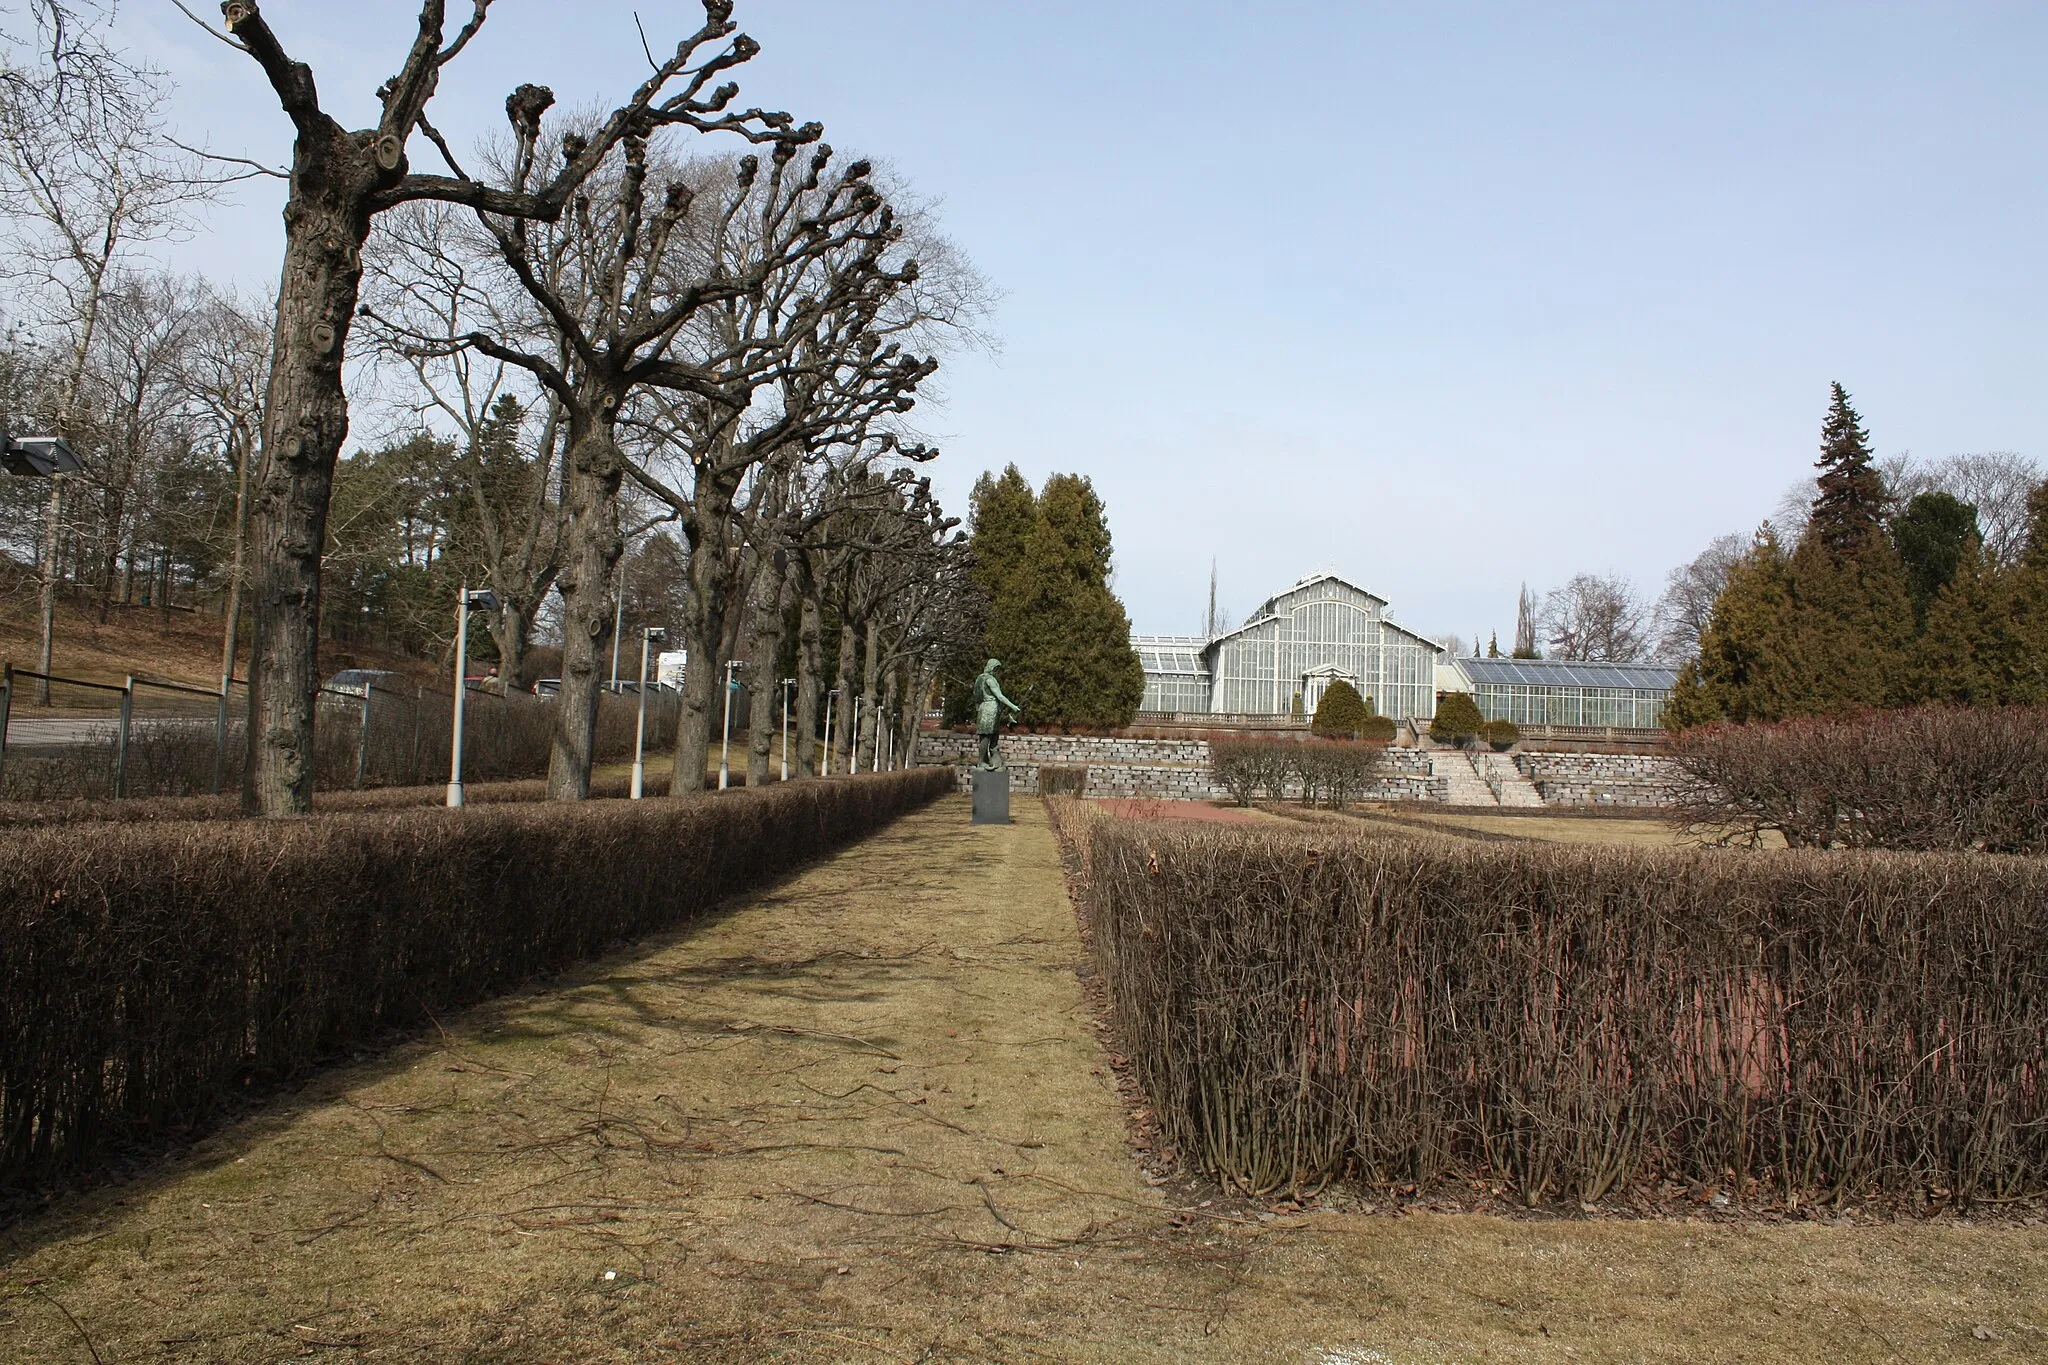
(649, 635)
(482, 600)
(787, 684)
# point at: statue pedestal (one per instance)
(991, 796)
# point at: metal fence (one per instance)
(72, 738)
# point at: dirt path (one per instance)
(862, 1117)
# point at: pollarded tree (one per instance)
(1062, 635)
(341, 179)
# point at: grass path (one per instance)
(863, 1117)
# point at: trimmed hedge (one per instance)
(1332, 771)
(154, 971)
(1570, 1022)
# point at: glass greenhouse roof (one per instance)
(1169, 653)
(1569, 673)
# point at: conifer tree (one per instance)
(1970, 652)
(2027, 605)
(1850, 507)
(1341, 712)
(1931, 535)
(1062, 635)
(1745, 668)
(1850, 622)
(1002, 512)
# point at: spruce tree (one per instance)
(2027, 603)
(1062, 635)
(1850, 620)
(1931, 535)
(1849, 510)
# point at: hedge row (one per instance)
(1571, 1021)
(152, 971)
(1924, 778)
(1332, 771)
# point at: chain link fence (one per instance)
(72, 739)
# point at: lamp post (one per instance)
(830, 697)
(483, 600)
(648, 636)
(787, 684)
(46, 457)
(725, 742)
(853, 749)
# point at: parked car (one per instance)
(357, 682)
(547, 687)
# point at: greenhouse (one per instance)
(1294, 646)
(1569, 692)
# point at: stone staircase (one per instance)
(1482, 779)
(1510, 783)
(1462, 784)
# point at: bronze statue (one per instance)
(989, 702)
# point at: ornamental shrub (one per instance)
(1378, 729)
(1501, 734)
(1457, 719)
(1342, 713)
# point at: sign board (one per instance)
(668, 667)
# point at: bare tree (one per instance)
(340, 181)
(86, 173)
(1526, 611)
(1598, 618)
(1995, 482)
(1690, 591)
(225, 373)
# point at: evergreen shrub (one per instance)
(1457, 719)
(1501, 734)
(1341, 713)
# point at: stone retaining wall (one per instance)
(1600, 779)
(1155, 769)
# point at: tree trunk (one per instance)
(842, 741)
(703, 634)
(870, 688)
(508, 633)
(305, 420)
(808, 667)
(594, 546)
(765, 724)
(231, 627)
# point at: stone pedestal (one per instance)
(991, 796)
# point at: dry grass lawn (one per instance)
(864, 1117)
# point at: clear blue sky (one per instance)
(1443, 297)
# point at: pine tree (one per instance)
(1931, 535)
(1063, 636)
(1492, 645)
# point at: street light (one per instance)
(787, 683)
(648, 636)
(482, 600)
(830, 697)
(38, 457)
(725, 743)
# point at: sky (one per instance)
(1442, 297)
